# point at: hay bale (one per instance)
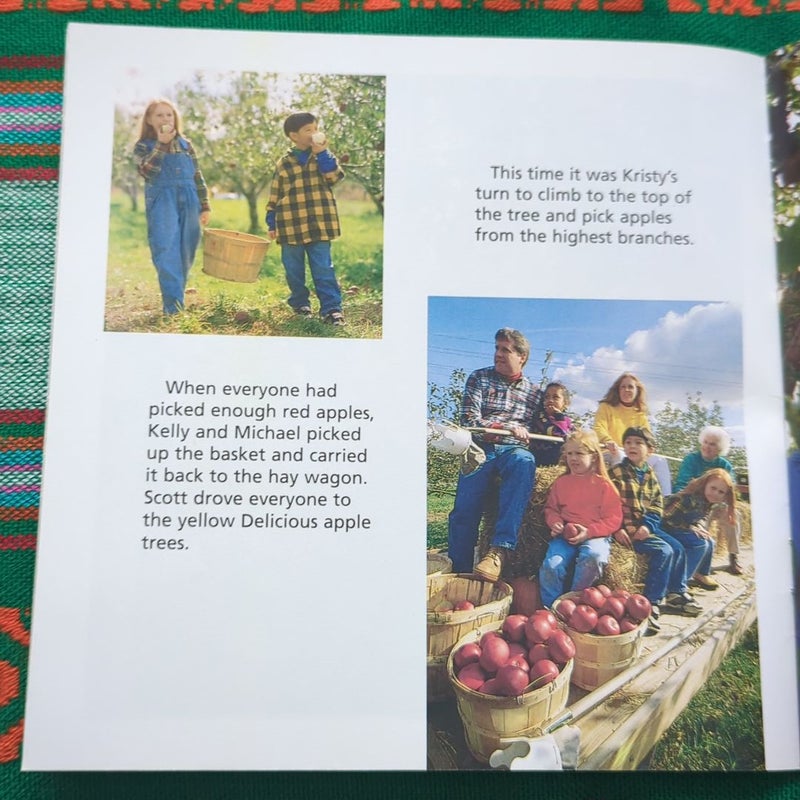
(534, 536)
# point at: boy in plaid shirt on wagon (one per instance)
(303, 218)
(642, 510)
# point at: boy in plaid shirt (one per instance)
(303, 218)
(642, 509)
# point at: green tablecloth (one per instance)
(31, 71)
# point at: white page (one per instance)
(232, 654)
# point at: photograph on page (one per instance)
(783, 69)
(247, 204)
(589, 534)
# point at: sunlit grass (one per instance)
(218, 306)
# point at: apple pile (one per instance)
(604, 612)
(524, 654)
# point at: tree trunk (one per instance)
(252, 207)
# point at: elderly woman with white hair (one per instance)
(715, 443)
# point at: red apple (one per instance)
(519, 661)
(512, 680)
(592, 596)
(466, 654)
(565, 608)
(472, 676)
(491, 687)
(583, 618)
(613, 606)
(543, 672)
(463, 605)
(539, 628)
(603, 589)
(638, 606)
(606, 626)
(525, 598)
(626, 625)
(514, 627)
(538, 652)
(517, 649)
(561, 647)
(494, 653)
(623, 594)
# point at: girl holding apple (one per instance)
(583, 510)
(176, 199)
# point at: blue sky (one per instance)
(675, 347)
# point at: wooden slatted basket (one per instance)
(489, 720)
(232, 255)
(492, 603)
(600, 658)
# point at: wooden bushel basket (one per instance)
(233, 256)
(438, 564)
(488, 719)
(492, 603)
(600, 658)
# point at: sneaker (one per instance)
(491, 565)
(653, 625)
(303, 311)
(334, 318)
(734, 567)
(683, 603)
(703, 581)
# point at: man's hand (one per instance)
(520, 433)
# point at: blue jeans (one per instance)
(666, 570)
(173, 226)
(516, 468)
(699, 552)
(326, 286)
(585, 561)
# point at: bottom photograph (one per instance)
(590, 575)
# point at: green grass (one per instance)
(216, 306)
(721, 728)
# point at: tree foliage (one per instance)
(236, 125)
(352, 111)
(783, 71)
(123, 171)
(236, 128)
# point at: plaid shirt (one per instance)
(682, 511)
(642, 500)
(491, 398)
(149, 157)
(303, 202)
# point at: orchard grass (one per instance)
(721, 728)
(215, 306)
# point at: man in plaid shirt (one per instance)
(303, 218)
(496, 397)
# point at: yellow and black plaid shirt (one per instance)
(303, 202)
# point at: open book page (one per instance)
(233, 518)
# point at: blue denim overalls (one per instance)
(173, 224)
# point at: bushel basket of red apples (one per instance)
(607, 627)
(510, 678)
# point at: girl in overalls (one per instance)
(176, 199)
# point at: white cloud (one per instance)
(697, 351)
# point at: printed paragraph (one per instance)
(252, 458)
(580, 207)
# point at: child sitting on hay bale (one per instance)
(582, 511)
